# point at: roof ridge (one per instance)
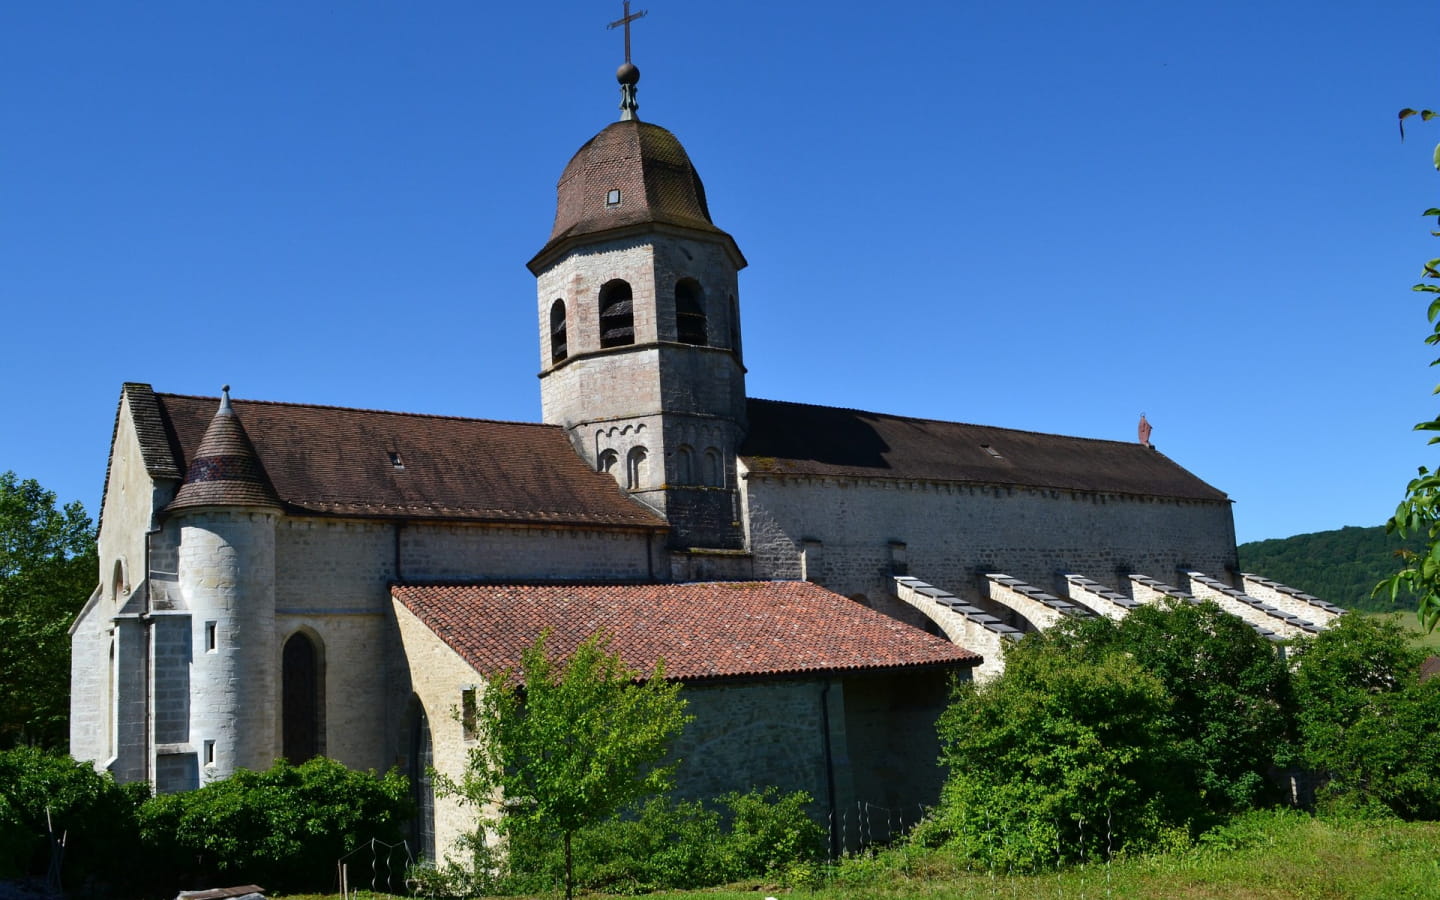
(361, 409)
(897, 416)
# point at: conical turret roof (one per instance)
(225, 470)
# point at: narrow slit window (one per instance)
(212, 636)
(209, 753)
(469, 714)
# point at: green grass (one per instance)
(1269, 855)
(1411, 622)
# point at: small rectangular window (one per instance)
(468, 714)
(612, 198)
(209, 753)
(212, 637)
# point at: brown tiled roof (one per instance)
(702, 630)
(224, 470)
(331, 460)
(798, 439)
(657, 184)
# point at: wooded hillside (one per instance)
(1341, 567)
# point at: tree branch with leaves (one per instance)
(566, 743)
(1419, 512)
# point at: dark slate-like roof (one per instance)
(798, 439)
(702, 630)
(337, 461)
(657, 184)
(224, 470)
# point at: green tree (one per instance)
(1227, 685)
(1419, 512)
(47, 569)
(1366, 722)
(1062, 758)
(563, 744)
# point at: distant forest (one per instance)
(1341, 567)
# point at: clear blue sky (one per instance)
(1042, 215)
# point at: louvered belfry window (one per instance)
(690, 323)
(617, 315)
(558, 346)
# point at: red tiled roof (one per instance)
(702, 630)
(799, 439)
(331, 460)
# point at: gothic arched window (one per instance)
(690, 324)
(617, 314)
(558, 347)
(301, 697)
(635, 468)
(422, 788)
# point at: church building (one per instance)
(288, 580)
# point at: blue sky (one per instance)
(1040, 215)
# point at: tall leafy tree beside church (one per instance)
(1419, 512)
(47, 569)
(566, 743)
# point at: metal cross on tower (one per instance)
(626, 20)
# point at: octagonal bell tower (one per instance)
(639, 320)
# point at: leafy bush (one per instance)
(1366, 722)
(96, 815)
(283, 828)
(1060, 759)
(1228, 687)
(676, 844)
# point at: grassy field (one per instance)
(1266, 855)
(1431, 641)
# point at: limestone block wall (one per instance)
(890, 728)
(954, 534)
(1098, 598)
(447, 552)
(227, 580)
(1262, 615)
(753, 735)
(437, 676)
(91, 687)
(1296, 603)
(966, 625)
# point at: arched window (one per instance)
(302, 690)
(684, 465)
(558, 348)
(607, 461)
(714, 471)
(690, 312)
(422, 789)
(635, 468)
(617, 315)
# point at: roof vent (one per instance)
(397, 462)
(991, 450)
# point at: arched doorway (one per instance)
(422, 789)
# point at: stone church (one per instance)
(286, 580)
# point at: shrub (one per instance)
(1060, 759)
(40, 790)
(1367, 724)
(283, 828)
(669, 844)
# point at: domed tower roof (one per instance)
(225, 470)
(631, 174)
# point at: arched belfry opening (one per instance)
(690, 324)
(617, 314)
(559, 346)
(302, 699)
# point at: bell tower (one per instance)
(639, 319)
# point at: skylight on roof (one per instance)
(991, 450)
(396, 461)
(613, 198)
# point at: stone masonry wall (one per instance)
(954, 534)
